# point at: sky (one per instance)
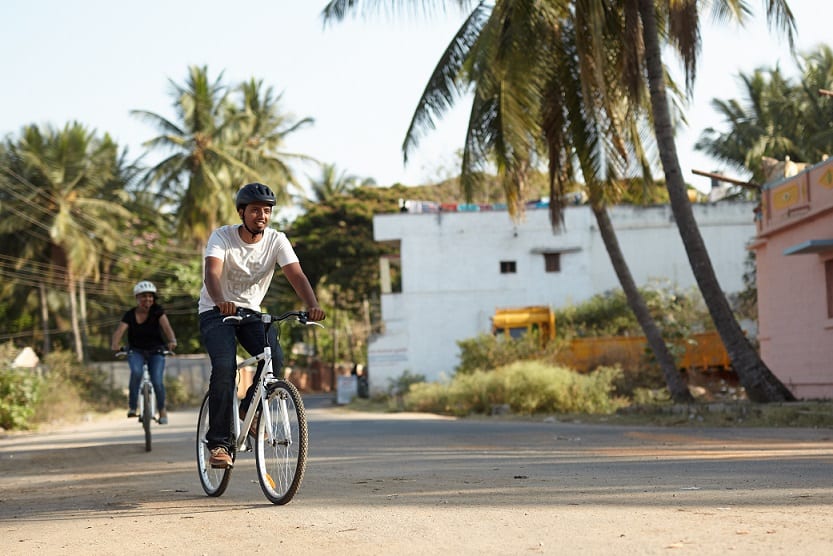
(96, 60)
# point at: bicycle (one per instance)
(147, 399)
(281, 441)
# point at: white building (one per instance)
(457, 267)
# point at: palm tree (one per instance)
(260, 133)
(776, 118)
(766, 125)
(200, 157)
(678, 24)
(334, 182)
(535, 91)
(63, 188)
(217, 146)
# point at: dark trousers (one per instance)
(136, 359)
(220, 340)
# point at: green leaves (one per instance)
(223, 137)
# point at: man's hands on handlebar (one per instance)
(229, 308)
(316, 314)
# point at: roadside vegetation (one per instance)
(62, 390)
(520, 378)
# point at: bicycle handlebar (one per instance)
(300, 316)
(122, 353)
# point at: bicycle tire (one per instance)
(214, 481)
(281, 463)
(147, 414)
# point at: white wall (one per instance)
(451, 280)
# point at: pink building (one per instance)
(794, 252)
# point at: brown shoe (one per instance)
(220, 458)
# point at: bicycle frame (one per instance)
(147, 396)
(281, 438)
(258, 398)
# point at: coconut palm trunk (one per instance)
(73, 309)
(760, 383)
(676, 386)
(44, 313)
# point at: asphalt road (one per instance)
(422, 484)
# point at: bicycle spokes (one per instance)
(281, 445)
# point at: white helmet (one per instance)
(144, 287)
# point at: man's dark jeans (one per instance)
(220, 340)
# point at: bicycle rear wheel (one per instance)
(214, 481)
(281, 453)
(147, 413)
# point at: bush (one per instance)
(486, 352)
(20, 392)
(402, 384)
(177, 394)
(93, 385)
(60, 402)
(529, 387)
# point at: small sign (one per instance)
(347, 387)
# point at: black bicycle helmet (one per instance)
(254, 193)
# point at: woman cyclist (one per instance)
(147, 328)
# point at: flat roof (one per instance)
(810, 246)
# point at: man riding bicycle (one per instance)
(240, 261)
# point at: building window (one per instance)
(828, 278)
(508, 267)
(552, 262)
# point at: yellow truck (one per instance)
(704, 351)
(513, 322)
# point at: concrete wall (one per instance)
(795, 242)
(451, 279)
(194, 370)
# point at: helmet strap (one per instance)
(253, 234)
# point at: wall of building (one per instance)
(451, 279)
(795, 233)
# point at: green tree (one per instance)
(333, 182)
(260, 133)
(196, 171)
(217, 146)
(775, 118)
(334, 239)
(62, 190)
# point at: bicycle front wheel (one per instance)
(214, 481)
(147, 413)
(281, 452)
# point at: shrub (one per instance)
(528, 387)
(20, 392)
(486, 352)
(677, 313)
(403, 383)
(177, 394)
(93, 385)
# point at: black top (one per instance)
(147, 335)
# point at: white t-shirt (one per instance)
(247, 267)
